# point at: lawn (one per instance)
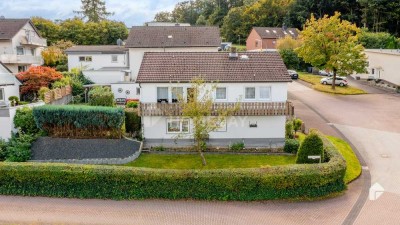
(214, 161)
(315, 81)
(353, 165)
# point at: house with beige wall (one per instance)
(20, 44)
(265, 38)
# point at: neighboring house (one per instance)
(383, 64)
(257, 80)
(105, 65)
(264, 38)
(20, 44)
(166, 24)
(169, 39)
(9, 85)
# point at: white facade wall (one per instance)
(235, 91)
(385, 63)
(98, 61)
(104, 77)
(126, 90)
(136, 55)
(10, 90)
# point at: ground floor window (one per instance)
(178, 125)
(1, 94)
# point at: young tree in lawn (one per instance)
(36, 77)
(199, 108)
(331, 43)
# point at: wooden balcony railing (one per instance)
(244, 109)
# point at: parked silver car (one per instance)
(341, 81)
(325, 73)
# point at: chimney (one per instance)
(233, 54)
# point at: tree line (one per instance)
(237, 17)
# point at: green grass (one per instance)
(315, 81)
(214, 161)
(353, 170)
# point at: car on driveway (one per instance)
(325, 73)
(341, 81)
(293, 74)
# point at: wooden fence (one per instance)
(57, 94)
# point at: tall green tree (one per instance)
(94, 10)
(331, 43)
(163, 16)
(47, 29)
(235, 25)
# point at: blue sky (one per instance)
(132, 12)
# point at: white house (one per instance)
(257, 80)
(20, 44)
(143, 39)
(105, 65)
(9, 85)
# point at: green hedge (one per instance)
(79, 121)
(112, 182)
(133, 122)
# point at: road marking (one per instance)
(375, 191)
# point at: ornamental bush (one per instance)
(3, 147)
(237, 146)
(24, 121)
(79, 121)
(19, 147)
(289, 130)
(101, 96)
(291, 146)
(312, 145)
(133, 122)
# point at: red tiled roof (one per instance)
(161, 67)
(180, 36)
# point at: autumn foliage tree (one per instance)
(36, 77)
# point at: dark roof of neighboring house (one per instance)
(162, 67)
(5, 67)
(182, 36)
(275, 32)
(104, 49)
(10, 27)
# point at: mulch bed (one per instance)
(47, 148)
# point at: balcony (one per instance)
(33, 41)
(245, 109)
(21, 59)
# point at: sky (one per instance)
(131, 12)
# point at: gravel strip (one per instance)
(47, 148)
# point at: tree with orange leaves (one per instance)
(36, 77)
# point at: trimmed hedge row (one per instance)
(111, 182)
(79, 121)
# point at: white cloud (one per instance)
(132, 12)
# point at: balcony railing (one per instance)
(244, 109)
(21, 59)
(34, 41)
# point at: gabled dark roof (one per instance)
(182, 36)
(275, 32)
(163, 67)
(103, 49)
(10, 27)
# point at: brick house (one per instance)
(265, 37)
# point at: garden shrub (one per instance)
(3, 147)
(312, 145)
(14, 100)
(289, 130)
(297, 125)
(79, 121)
(118, 182)
(237, 146)
(19, 147)
(101, 96)
(132, 104)
(25, 122)
(291, 146)
(133, 122)
(42, 92)
(159, 148)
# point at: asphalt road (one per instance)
(370, 122)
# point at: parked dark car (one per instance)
(293, 74)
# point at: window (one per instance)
(265, 93)
(220, 93)
(22, 68)
(32, 51)
(162, 94)
(137, 91)
(85, 58)
(177, 125)
(221, 126)
(373, 71)
(256, 44)
(176, 93)
(20, 51)
(1, 94)
(81, 58)
(88, 58)
(250, 93)
(114, 58)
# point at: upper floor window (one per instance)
(85, 58)
(265, 93)
(1, 94)
(32, 51)
(114, 58)
(22, 68)
(250, 93)
(162, 94)
(220, 93)
(20, 50)
(176, 93)
(256, 43)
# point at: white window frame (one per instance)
(168, 96)
(255, 94)
(269, 90)
(114, 58)
(89, 59)
(180, 120)
(221, 99)
(21, 48)
(223, 126)
(171, 90)
(2, 95)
